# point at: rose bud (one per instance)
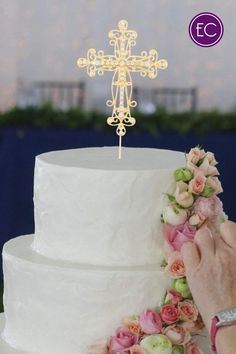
(181, 286)
(174, 215)
(177, 349)
(183, 174)
(157, 344)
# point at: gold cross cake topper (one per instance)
(122, 63)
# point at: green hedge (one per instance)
(160, 121)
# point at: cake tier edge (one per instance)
(79, 303)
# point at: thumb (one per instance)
(190, 256)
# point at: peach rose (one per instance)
(99, 347)
(136, 349)
(182, 195)
(215, 184)
(197, 184)
(196, 220)
(177, 334)
(195, 155)
(188, 310)
(175, 267)
(208, 169)
(192, 348)
(194, 327)
(133, 325)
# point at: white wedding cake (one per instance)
(96, 253)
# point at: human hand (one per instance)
(210, 264)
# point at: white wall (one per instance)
(41, 40)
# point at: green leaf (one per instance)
(163, 263)
(170, 197)
(207, 192)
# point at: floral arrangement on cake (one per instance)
(172, 327)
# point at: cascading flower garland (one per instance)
(170, 328)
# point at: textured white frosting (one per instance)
(5, 348)
(57, 307)
(91, 207)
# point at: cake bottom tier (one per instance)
(56, 307)
(4, 347)
(7, 349)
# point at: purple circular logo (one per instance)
(206, 29)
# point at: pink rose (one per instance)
(169, 313)
(150, 322)
(195, 155)
(177, 334)
(210, 208)
(197, 184)
(176, 236)
(194, 327)
(207, 168)
(122, 341)
(188, 310)
(175, 267)
(192, 348)
(173, 297)
(99, 347)
(215, 184)
(136, 349)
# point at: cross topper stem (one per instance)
(122, 63)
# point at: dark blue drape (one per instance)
(18, 149)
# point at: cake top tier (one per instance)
(106, 158)
(91, 207)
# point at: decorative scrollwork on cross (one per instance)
(122, 63)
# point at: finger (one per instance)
(205, 242)
(190, 256)
(228, 233)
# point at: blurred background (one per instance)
(41, 41)
(48, 103)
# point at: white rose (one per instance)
(195, 155)
(208, 169)
(174, 215)
(211, 158)
(182, 195)
(215, 183)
